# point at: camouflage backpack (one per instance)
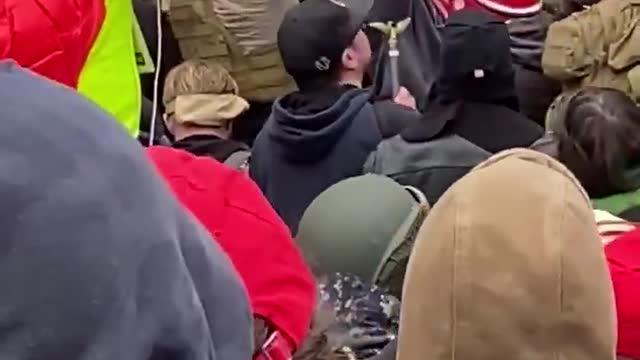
(365, 318)
(203, 34)
(597, 47)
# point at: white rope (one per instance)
(156, 79)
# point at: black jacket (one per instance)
(312, 141)
(427, 156)
(210, 145)
(535, 91)
(493, 127)
(419, 47)
(145, 11)
(477, 84)
(146, 116)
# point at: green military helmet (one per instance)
(554, 125)
(554, 121)
(363, 226)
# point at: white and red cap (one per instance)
(506, 8)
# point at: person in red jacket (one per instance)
(623, 256)
(87, 45)
(227, 202)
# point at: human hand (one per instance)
(404, 98)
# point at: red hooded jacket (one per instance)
(231, 206)
(623, 256)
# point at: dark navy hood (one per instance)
(97, 258)
(305, 126)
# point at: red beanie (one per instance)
(506, 8)
(231, 206)
(512, 8)
(623, 256)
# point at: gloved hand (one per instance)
(365, 318)
(362, 343)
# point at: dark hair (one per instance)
(311, 81)
(599, 141)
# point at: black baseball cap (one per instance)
(314, 34)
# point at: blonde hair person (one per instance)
(201, 103)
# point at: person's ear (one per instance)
(349, 59)
(168, 122)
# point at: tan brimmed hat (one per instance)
(202, 93)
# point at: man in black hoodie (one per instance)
(474, 115)
(535, 90)
(98, 260)
(476, 86)
(323, 133)
(419, 47)
(528, 25)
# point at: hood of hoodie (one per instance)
(98, 260)
(307, 125)
(232, 207)
(483, 284)
(527, 40)
(476, 62)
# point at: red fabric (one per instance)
(231, 206)
(504, 9)
(275, 348)
(623, 255)
(446, 7)
(50, 37)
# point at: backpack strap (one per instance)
(239, 160)
(202, 34)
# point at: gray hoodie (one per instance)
(97, 259)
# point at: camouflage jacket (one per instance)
(597, 47)
(366, 318)
(241, 36)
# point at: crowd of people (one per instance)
(296, 204)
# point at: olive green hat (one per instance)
(363, 226)
(554, 125)
(554, 120)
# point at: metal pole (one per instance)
(392, 30)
